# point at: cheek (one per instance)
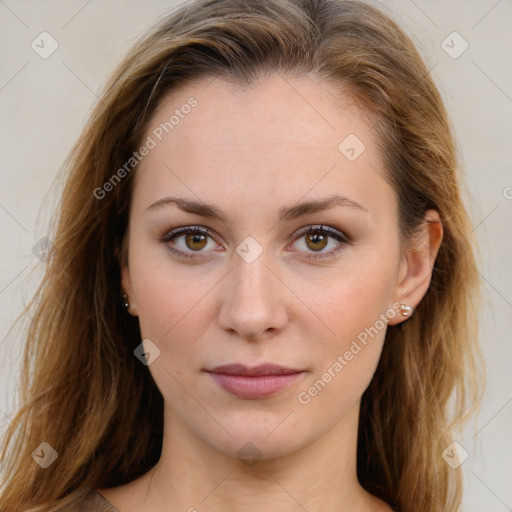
(355, 295)
(355, 305)
(164, 294)
(347, 359)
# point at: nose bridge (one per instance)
(254, 302)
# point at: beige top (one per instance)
(94, 502)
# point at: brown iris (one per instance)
(195, 241)
(318, 240)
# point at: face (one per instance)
(262, 230)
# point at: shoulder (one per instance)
(87, 501)
(94, 502)
(91, 501)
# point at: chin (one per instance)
(257, 435)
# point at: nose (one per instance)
(254, 300)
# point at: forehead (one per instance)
(293, 133)
(301, 111)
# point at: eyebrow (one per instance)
(285, 213)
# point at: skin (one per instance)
(251, 152)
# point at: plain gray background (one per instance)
(44, 103)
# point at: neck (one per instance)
(191, 475)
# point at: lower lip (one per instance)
(254, 387)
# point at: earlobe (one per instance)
(127, 293)
(417, 265)
(131, 308)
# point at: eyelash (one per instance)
(315, 229)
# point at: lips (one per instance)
(262, 369)
(254, 382)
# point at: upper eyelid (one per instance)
(321, 227)
(299, 233)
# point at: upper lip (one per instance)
(261, 369)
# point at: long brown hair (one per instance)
(82, 389)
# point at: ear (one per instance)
(126, 284)
(417, 264)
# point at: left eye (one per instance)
(189, 242)
(316, 239)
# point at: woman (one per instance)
(261, 287)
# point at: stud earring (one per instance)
(127, 304)
(405, 310)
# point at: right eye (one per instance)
(189, 241)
